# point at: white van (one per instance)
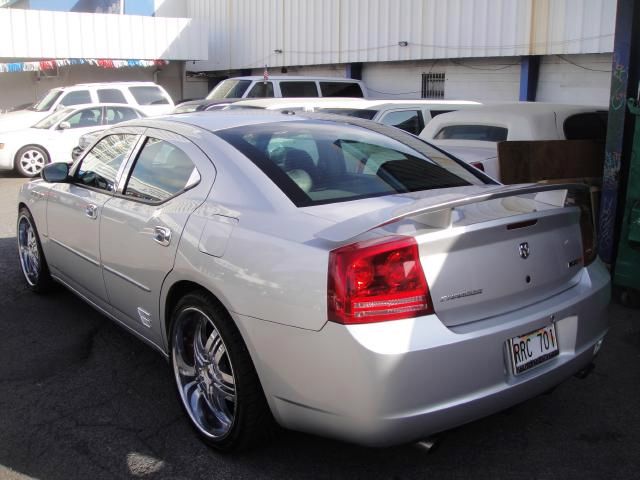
(148, 97)
(275, 87)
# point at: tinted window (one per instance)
(115, 115)
(586, 126)
(100, 166)
(350, 112)
(261, 90)
(408, 120)
(229, 89)
(111, 95)
(87, 117)
(148, 95)
(340, 89)
(315, 162)
(298, 89)
(76, 98)
(487, 133)
(161, 172)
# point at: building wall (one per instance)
(27, 87)
(251, 33)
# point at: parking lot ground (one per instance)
(82, 399)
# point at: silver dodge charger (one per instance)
(330, 274)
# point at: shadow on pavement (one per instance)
(80, 398)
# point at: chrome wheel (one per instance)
(28, 250)
(32, 161)
(204, 373)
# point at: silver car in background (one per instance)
(339, 276)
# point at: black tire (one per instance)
(198, 313)
(32, 260)
(30, 160)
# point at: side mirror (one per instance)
(64, 126)
(55, 172)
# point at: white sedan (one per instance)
(53, 138)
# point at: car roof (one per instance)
(297, 77)
(107, 84)
(346, 102)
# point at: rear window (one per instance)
(316, 162)
(341, 89)
(350, 112)
(586, 126)
(486, 133)
(408, 120)
(148, 96)
(298, 89)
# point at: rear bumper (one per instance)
(398, 381)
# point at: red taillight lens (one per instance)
(582, 199)
(376, 281)
(478, 165)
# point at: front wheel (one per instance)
(217, 382)
(31, 160)
(32, 261)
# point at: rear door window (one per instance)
(408, 120)
(76, 98)
(261, 90)
(313, 162)
(486, 133)
(341, 89)
(148, 95)
(161, 172)
(111, 95)
(298, 89)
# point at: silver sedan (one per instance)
(335, 275)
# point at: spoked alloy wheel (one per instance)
(204, 373)
(31, 160)
(28, 250)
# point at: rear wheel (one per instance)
(32, 261)
(30, 160)
(217, 383)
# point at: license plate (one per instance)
(534, 348)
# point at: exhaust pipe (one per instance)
(586, 371)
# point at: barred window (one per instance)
(433, 85)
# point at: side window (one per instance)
(486, 133)
(111, 95)
(148, 96)
(100, 166)
(261, 90)
(115, 115)
(586, 126)
(340, 89)
(298, 89)
(87, 117)
(161, 171)
(408, 120)
(76, 98)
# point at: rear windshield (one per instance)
(229, 89)
(315, 162)
(350, 112)
(485, 133)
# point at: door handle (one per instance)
(162, 235)
(91, 211)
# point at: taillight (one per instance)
(582, 199)
(478, 165)
(377, 280)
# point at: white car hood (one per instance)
(20, 119)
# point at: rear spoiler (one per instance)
(439, 214)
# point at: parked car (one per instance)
(276, 86)
(53, 138)
(147, 97)
(83, 142)
(340, 276)
(408, 115)
(473, 135)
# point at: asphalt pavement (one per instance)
(82, 399)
